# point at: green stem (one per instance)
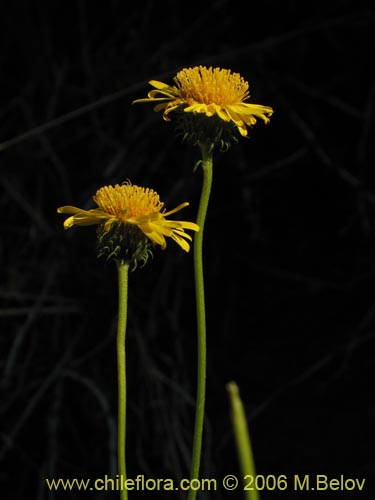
(242, 437)
(122, 269)
(201, 315)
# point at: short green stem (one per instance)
(123, 273)
(206, 150)
(242, 436)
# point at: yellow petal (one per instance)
(157, 238)
(182, 224)
(82, 217)
(69, 210)
(183, 234)
(157, 84)
(180, 207)
(221, 112)
(183, 244)
(160, 106)
(69, 222)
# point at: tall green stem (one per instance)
(206, 150)
(122, 269)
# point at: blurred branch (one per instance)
(31, 317)
(104, 404)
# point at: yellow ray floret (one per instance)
(138, 206)
(209, 91)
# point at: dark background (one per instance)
(288, 250)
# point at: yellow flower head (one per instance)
(209, 92)
(130, 220)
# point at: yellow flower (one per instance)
(210, 92)
(130, 218)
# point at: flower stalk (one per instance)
(131, 221)
(206, 151)
(210, 109)
(123, 272)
